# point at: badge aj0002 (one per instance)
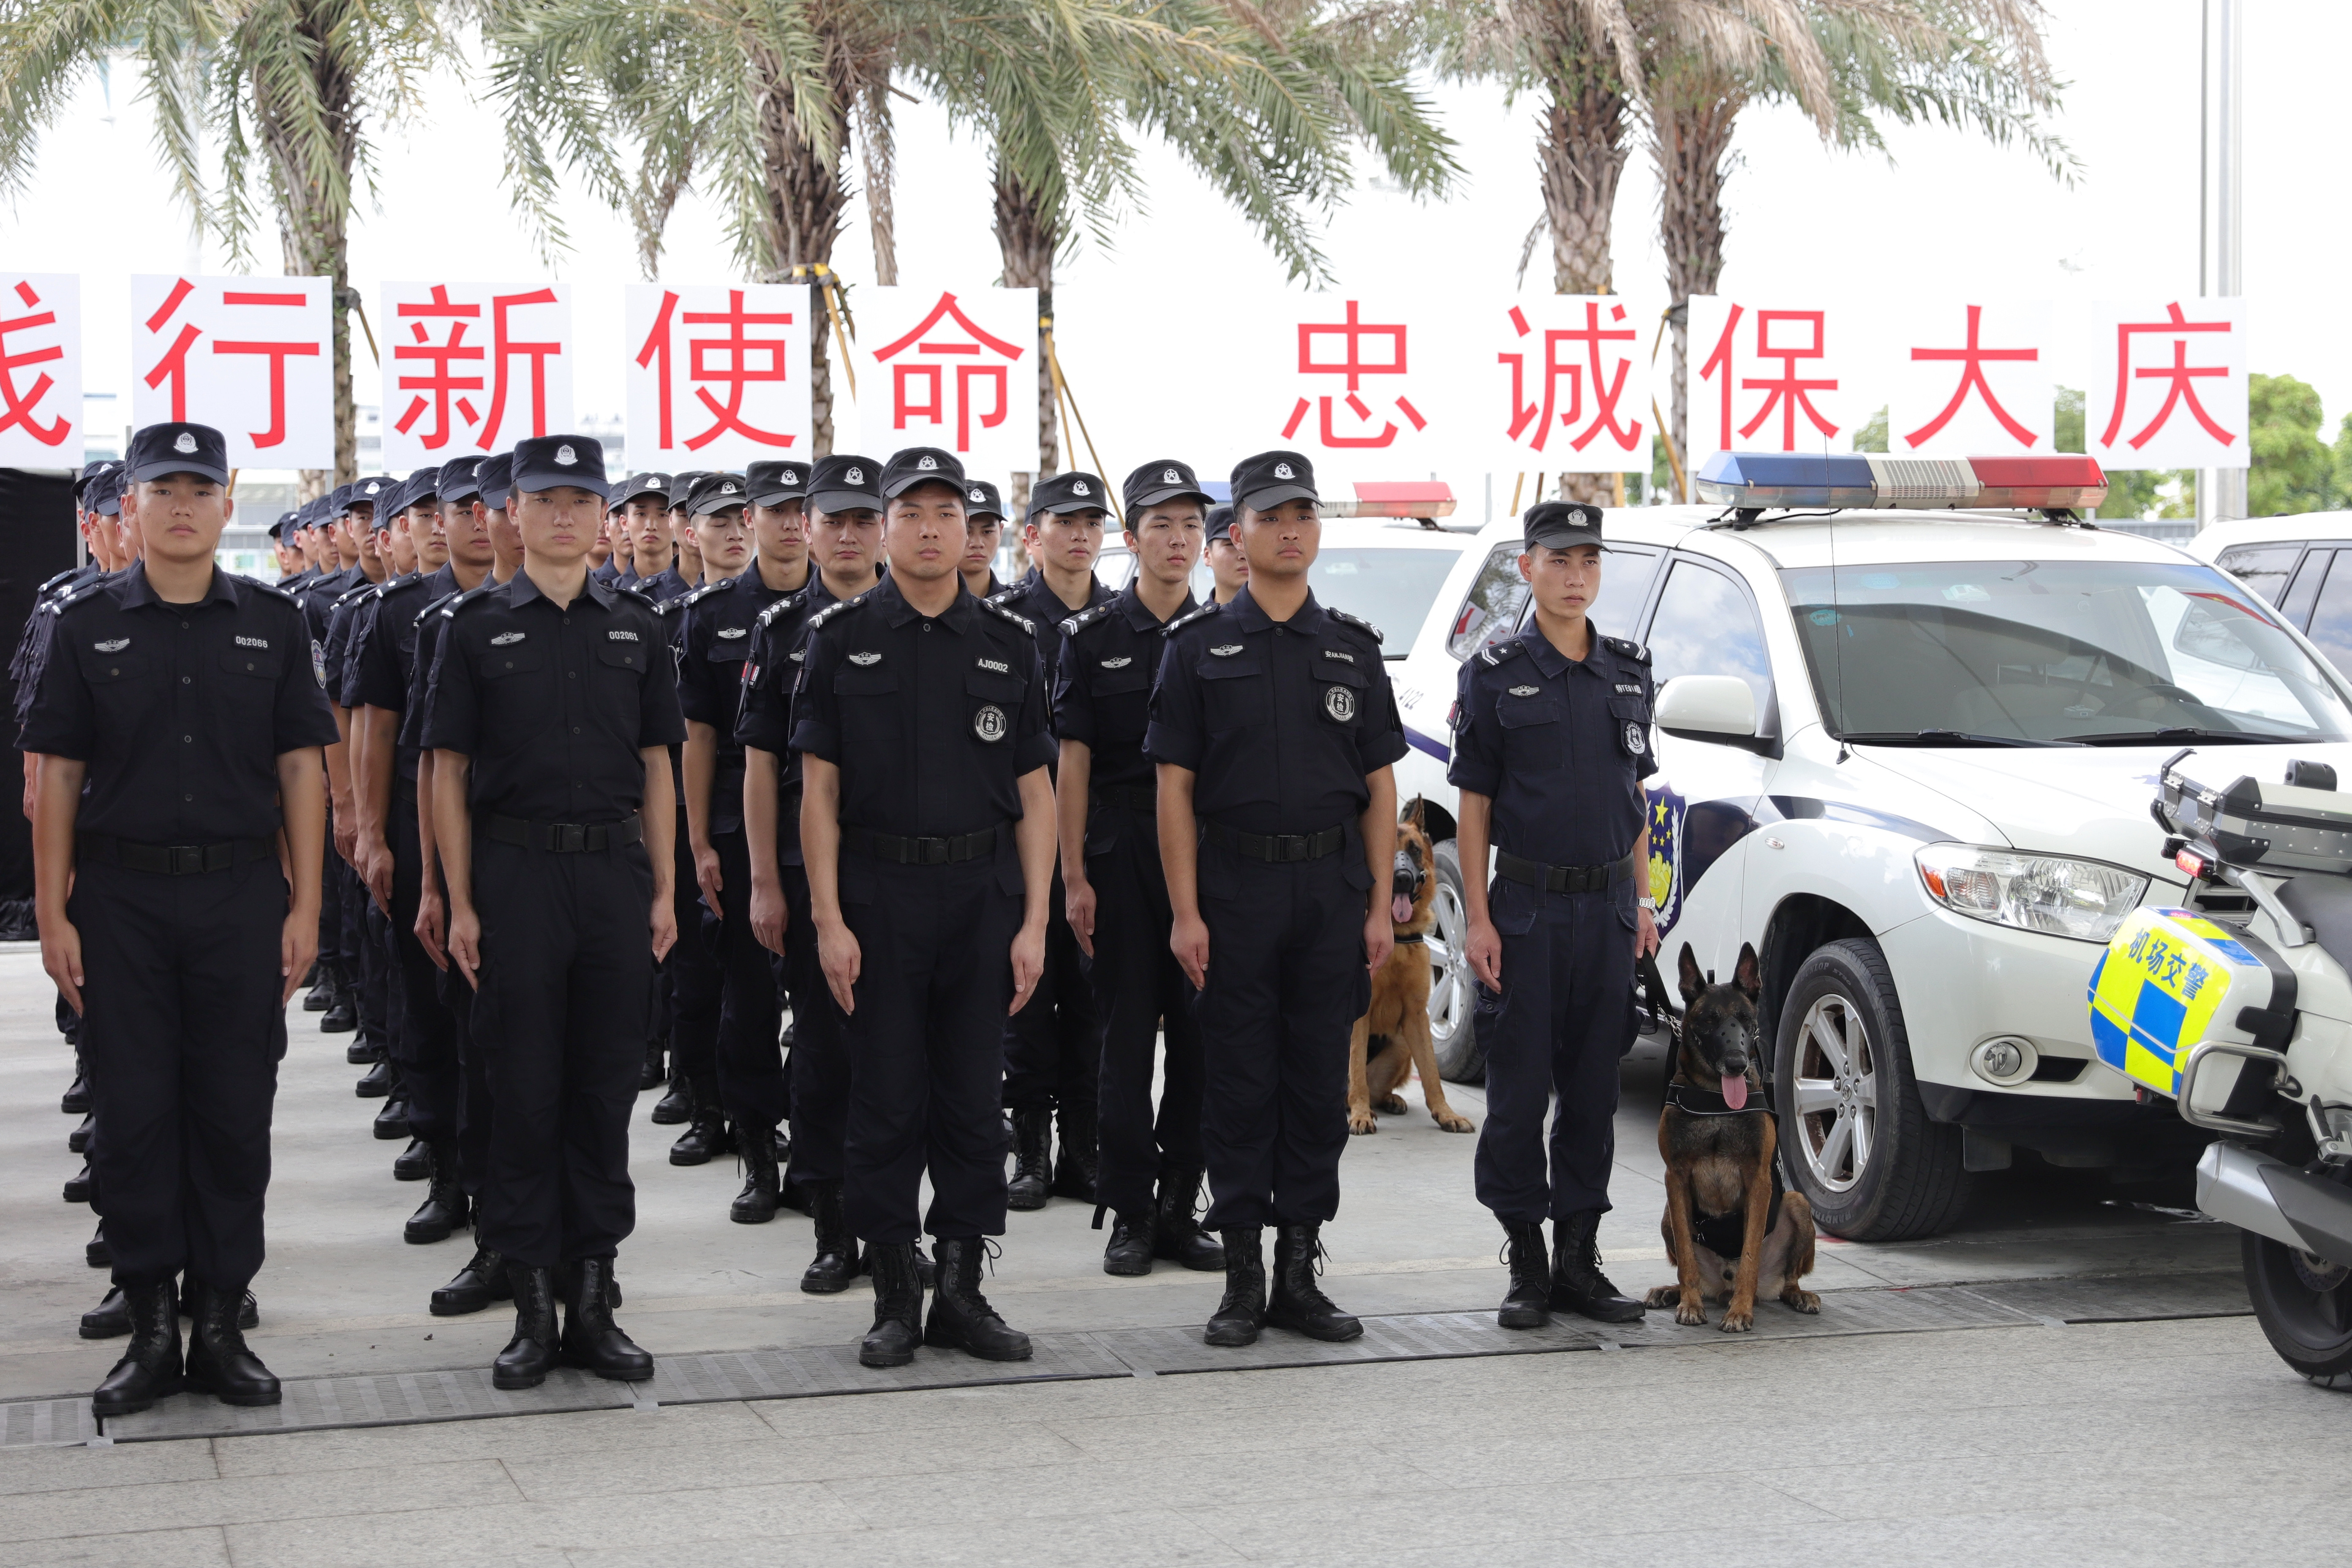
(989, 723)
(1339, 703)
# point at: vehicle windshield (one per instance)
(1393, 588)
(2055, 653)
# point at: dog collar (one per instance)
(1413, 940)
(1690, 1099)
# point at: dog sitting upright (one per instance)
(1392, 1038)
(1729, 1228)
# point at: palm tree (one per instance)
(283, 89)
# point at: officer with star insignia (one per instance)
(1551, 742)
(1274, 728)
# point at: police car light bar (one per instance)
(1395, 500)
(1757, 480)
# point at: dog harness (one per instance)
(1725, 1235)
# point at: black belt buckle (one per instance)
(187, 860)
(929, 851)
(1288, 848)
(566, 838)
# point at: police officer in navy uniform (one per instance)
(643, 499)
(1228, 567)
(845, 535)
(1116, 894)
(983, 527)
(1274, 728)
(1551, 742)
(180, 726)
(551, 711)
(1052, 1046)
(927, 822)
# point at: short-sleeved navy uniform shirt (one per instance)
(383, 658)
(1561, 746)
(932, 722)
(553, 703)
(1280, 723)
(1102, 693)
(346, 620)
(772, 672)
(713, 647)
(661, 588)
(421, 664)
(1043, 608)
(181, 710)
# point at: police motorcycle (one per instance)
(2238, 1008)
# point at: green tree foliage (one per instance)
(2293, 470)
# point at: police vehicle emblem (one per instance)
(1339, 702)
(112, 645)
(1227, 649)
(1282, 471)
(989, 723)
(565, 455)
(1000, 668)
(1078, 488)
(1120, 663)
(1635, 741)
(863, 659)
(1525, 691)
(183, 443)
(856, 475)
(503, 638)
(734, 631)
(622, 636)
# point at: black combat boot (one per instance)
(376, 1084)
(592, 1339)
(897, 1307)
(219, 1364)
(343, 1014)
(1129, 1251)
(655, 1073)
(706, 1135)
(392, 1122)
(413, 1163)
(95, 1251)
(524, 1362)
(77, 1189)
(150, 1367)
(248, 1310)
(322, 995)
(961, 1317)
(473, 1288)
(363, 1049)
(837, 1261)
(78, 1141)
(75, 1102)
(1073, 1172)
(1527, 1303)
(1241, 1312)
(1176, 1232)
(926, 1275)
(675, 1107)
(445, 1208)
(1033, 1158)
(762, 1182)
(1297, 1303)
(111, 1319)
(1577, 1285)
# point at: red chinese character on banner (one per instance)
(932, 374)
(1607, 390)
(1973, 359)
(1789, 392)
(2179, 377)
(735, 369)
(20, 406)
(1352, 333)
(439, 383)
(173, 365)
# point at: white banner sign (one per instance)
(40, 370)
(1362, 382)
(957, 370)
(1970, 380)
(717, 376)
(472, 367)
(1772, 375)
(252, 357)
(2167, 384)
(1566, 381)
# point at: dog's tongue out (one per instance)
(1400, 909)
(1735, 1090)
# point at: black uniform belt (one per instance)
(171, 860)
(566, 838)
(922, 851)
(1561, 878)
(1129, 797)
(1276, 848)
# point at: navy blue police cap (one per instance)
(339, 500)
(278, 530)
(1220, 525)
(494, 478)
(458, 481)
(1270, 478)
(1072, 490)
(637, 486)
(1160, 481)
(159, 451)
(557, 462)
(770, 482)
(846, 482)
(1556, 525)
(681, 485)
(372, 491)
(103, 494)
(913, 465)
(981, 499)
(716, 493)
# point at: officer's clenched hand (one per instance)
(1078, 899)
(61, 956)
(1645, 934)
(661, 924)
(1190, 942)
(769, 914)
(1380, 938)
(1028, 963)
(838, 955)
(706, 876)
(1484, 948)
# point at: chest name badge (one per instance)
(262, 643)
(1339, 702)
(112, 645)
(989, 723)
(622, 636)
(1629, 691)
(1525, 691)
(734, 631)
(862, 660)
(1225, 650)
(1335, 654)
(1120, 663)
(999, 666)
(1636, 743)
(503, 638)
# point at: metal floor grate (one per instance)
(465, 1393)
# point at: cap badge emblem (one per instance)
(1282, 471)
(1227, 649)
(788, 477)
(1525, 691)
(112, 645)
(856, 475)
(989, 723)
(1339, 703)
(373, 487)
(1171, 477)
(1078, 488)
(726, 490)
(862, 660)
(928, 463)
(566, 456)
(1122, 662)
(184, 442)
(977, 495)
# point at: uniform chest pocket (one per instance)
(256, 662)
(1630, 718)
(1129, 679)
(1534, 736)
(1341, 693)
(499, 663)
(1236, 693)
(630, 656)
(115, 669)
(1122, 699)
(995, 702)
(865, 682)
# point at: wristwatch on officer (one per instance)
(1646, 902)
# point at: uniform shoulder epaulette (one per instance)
(441, 604)
(830, 611)
(768, 617)
(1633, 650)
(457, 602)
(57, 580)
(1358, 622)
(1017, 619)
(67, 601)
(1496, 653)
(275, 591)
(1001, 595)
(708, 588)
(1181, 622)
(671, 606)
(1088, 617)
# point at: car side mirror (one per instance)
(1708, 707)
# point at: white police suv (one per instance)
(1910, 718)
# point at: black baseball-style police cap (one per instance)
(1556, 524)
(374, 491)
(1163, 480)
(846, 482)
(716, 493)
(160, 450)
(913, 465)
(770, 482)
(494, 478)
(553, 462)
(278, 530)
(1072, 490)
(420, 489)
(639, 485)
(339, 500)
(458, 481)
(1220, 524)
(981, 499)
(1266, 481)
(103, 495)
(681, 485)
(86, 486)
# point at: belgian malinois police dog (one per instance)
(1729, 1227)
(1392, 1038)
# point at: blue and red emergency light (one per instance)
(2061, 481)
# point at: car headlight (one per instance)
(2081, 899)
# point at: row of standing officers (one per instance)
(839, 776)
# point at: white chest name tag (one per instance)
(998, 665)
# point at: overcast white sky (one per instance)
(1949, 215)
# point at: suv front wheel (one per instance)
(1854, 1137)
(1453, 989)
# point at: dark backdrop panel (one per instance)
(36, 542)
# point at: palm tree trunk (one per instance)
(315, 221)
(1693, 122)
(878, 149)
(1026, 237)
(805, 200)
(1582, 153)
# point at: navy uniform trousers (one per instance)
(1052, 1046)
(686, 994)
(925, 1044)
(1286, 984)
(1560, 1025)
(563, 990)
(751, 1013)
(474, 1119)
(185, 1032)
(1140, 990)
(820, 1082)
(425, 1048)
